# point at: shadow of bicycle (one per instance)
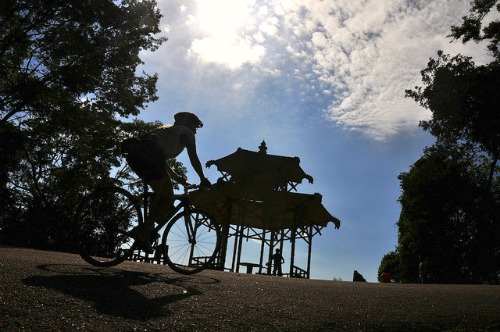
(127, 294)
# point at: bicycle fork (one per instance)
(190, 228)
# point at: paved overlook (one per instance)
(50, 291)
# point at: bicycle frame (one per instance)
(183, 204)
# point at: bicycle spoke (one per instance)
(192, 242)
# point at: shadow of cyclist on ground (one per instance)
(119, 292)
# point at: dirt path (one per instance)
(60, 292)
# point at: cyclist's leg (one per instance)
(158, 178)
(159, 207)
(161, 202)
(153, 171)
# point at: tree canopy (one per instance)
(451, 196)
(58, 55)
(69, 79)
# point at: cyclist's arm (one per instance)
(195, 161)
(190, 143)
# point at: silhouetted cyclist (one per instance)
(147, 157)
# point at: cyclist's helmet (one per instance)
(184, 118)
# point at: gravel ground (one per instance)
(50, 291)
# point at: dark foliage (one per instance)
(68, 83)
(451, 196)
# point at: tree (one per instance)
(440, 215)
(472, 24)
(463, 97)
(451, 195)
(68, 80)
(464, 101)
(58, 55)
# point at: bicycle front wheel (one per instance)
(192, 241)
(103, 222)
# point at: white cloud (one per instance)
(369, 52)
(269, 26)
(359, 55)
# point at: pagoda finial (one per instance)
(263, 147)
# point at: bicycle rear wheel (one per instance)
(103, 222)
(192, 241)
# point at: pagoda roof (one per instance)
(244, 164)
(232, 204)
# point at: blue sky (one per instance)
(320, 80)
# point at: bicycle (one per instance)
(190, 241)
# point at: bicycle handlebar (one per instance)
(190, 186)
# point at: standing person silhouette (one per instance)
(422, 271)
(277, 261)
(147, 157)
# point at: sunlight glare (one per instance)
(224, 24)
(223, 17)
